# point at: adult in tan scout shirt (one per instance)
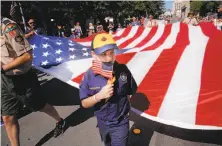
(19, 84)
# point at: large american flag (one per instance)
(177, 66)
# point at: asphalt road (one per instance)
(36, 128)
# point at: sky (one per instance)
(168, 4)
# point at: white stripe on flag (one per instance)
(175, 123)
(78, 67)
(119, 33)
(146, 59)
(157, 35)
(171, 39)
(181, 98)
(141, 63)
(87, 44)
(130, 35)
(140, 38)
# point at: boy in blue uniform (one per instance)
(109, 97)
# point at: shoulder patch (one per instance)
(10, 27)
(123, 76)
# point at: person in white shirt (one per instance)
(218, 23)
(191, 20)
(167, 20)
(151, 22)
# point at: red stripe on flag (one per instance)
(209, 107)
(78, 79)
(124, 58)
(114, 33)
(87, 39)
(156, 82)
(148, 37)
(124, 34)
(127, 42)
(161, 40)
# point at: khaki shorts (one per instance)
(20, 90)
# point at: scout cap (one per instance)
(103, 42)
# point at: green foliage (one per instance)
(82, 10)
(204, 7)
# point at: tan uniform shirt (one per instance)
(13, 45)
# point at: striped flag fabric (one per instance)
(99, 68)
(16, 12)
(14, 8)
(177, 67)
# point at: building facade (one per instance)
(181, 8)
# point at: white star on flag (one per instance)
(59, 59)
(45, 62)
(45, 54)
(84, 49)
(58, 43)
(72, 49)
(72, 57)
(58, 51)
(86, 54)
(33, 46)
(70, 44)
(45, 45)
(45, 38)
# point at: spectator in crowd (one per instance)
(191, 20)
(142, 21)
(152, 22)
(135, 22)
(60, 32)
(111, 27)
(19, 83)
(220, 11)
(78, 30)
(146, 20)
(72, 33)
(119, 27)
(127, 21)
(91, 29)
(218, 23)
(167, 20)
(67, 29)
(33, 29)
(99, 27)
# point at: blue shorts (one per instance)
(114, 135)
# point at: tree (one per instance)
(64, 11)
(204, 7)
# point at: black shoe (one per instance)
(59, 129)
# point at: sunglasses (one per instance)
(31, 22)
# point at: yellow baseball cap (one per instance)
(103, 42)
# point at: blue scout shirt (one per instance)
(116, 109)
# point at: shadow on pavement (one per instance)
(148, 127)
(59, 93)
(140, 102)
(74, 119)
